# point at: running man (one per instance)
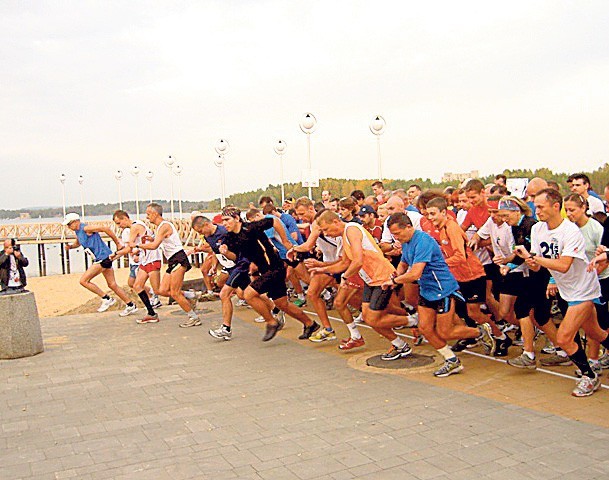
(364, 257)
(438, 290)
(250, 241)
(558, 245)
(148, 266)
(166, 237)
(89, 237)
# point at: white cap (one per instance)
(195, 213)
(70, 217)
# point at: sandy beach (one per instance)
(62, 294)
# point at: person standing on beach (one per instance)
(167, 238)
(89, 237)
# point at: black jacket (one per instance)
(5, 267)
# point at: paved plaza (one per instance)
(110, 399)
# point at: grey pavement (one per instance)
(110, 399)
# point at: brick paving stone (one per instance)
(165, 403)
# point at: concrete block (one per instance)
(20, 334)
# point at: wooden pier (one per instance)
(41, 234)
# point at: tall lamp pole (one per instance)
(377, 127)
(119, 175)
(280, 147)
(222, 148)
(135, 172)
(81, 180)
(169, 164)
(62, 179)
(149, 176)
(307, 125)
(177, 171)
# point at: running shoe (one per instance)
(501, 349)
(221, 333)
(271, 331)
(106, 304)
(208, 297)
(128, 311)
(242, 303)
(604, 360)
(418, 340)
(505, 326)
(596, 368)
(555, 310)
(280, 317)
(449, 367)
(259, 319)
(518, 341)
(549, 349)
(359, 319)
(487, 339)
(155, 302)
(395, 353)
(556, 361)
(400, 327)
(308, 331)
(523, 361)
(586, 386)
(191, 322)
(350, 343)
(300, 302)
(413, 320)
(323, 335)
(464, 343)
(148, 319)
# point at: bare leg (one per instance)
(317, 285)
(92, 272)
(108, 274)
(293, 311)
(253, 298)
(176, 279)
(227, 304)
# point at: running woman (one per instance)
(149, 263)
(89, 237)
(437, 292)
(558, 245)
(166, 237)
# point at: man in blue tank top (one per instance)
(88, 236)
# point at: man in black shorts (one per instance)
(250, 241)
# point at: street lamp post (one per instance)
(377, 127)
(307, 125)
(177, 170)
(119, 175)
(169, 164)
(222, 148)
(135, 172)
(280, 148)
(81, 180)
(62, 179)
(149, 176)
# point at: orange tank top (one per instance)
(376, 269)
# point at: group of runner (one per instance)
(471, 266)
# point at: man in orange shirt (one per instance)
(361, 255)
(464, 265)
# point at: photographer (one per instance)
(12, 263)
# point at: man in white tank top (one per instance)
(149, 263)
(167, 238)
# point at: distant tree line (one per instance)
(338, 187)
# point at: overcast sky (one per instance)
(91, 87)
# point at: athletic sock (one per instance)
(329, 329)
(188, 294)
(531, 355)
(301, 296)
(192, 315)
(398, 343)
(579, 358)
(447, 353)
(106, 297)
(355, 335)
(146, 301)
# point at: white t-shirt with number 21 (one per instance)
(577, 284)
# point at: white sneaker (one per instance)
(155, 302)
(242, 303)
(259, 319)
(128, 311)
(106, 304)
(359, 319)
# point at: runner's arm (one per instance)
(278, 226)
(108, 231)
(162, 233)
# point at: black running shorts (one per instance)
(176, 260)
(376, 297)
(238, 279)
(474, 291)
(272, 283)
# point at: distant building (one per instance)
(24, 216)
(449, 177)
